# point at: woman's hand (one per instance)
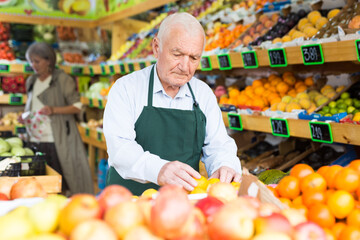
(47, 110)
(20, 119)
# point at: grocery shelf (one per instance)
(93, 102)
(342, 132)
(9, 128)
(13, 99)
(93, 137)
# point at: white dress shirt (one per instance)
(126, 100)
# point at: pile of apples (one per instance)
(170, 213)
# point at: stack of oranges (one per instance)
(329, 197)
(265, 92)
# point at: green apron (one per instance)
(172, 134)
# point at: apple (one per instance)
(170, 211)
(308, 230)
(272, 236)
(123, 217)
(93, 229)
(27, 188)
(266, 209)
(113, 195)
(141, 233)
(247, 207)
(3, 197)
(209, 206)
(294, 216)
(223, 191)
(81, 207)
(145, 206)
(230, 223)
(275, 222)
(5, 186)
(47, 236)
(194, 227)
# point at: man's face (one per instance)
(179, 56)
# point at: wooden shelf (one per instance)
(5, 99)
(92, 137)
(10, 128)
(93, 102)
(342, 132)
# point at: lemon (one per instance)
(202, 182)
(198, 190)
(149, 192)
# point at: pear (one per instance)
(44, 216)
(14, 227)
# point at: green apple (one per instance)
(345, 95)
(45, 216)
(350, 109)
(332, 104)
(326, 109)
(321, 113)
(342, 106)
(328, 115)
(342, 110)
(339, 101)
(348, 101)
(355, 111)
(333, 111)
(356, 103)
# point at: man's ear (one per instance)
(156, 47)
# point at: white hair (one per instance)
(189, 23)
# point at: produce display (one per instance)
(10, 119)
(14, 147)
(13, 84)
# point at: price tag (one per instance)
(112, 69)
(28, 69)
(357, 42)
(20, 130)
(142, 65)
(131, 67)
(101, 106)
(280, 127)
(4, 68)
(321, 132)
(99, 136)
(122, 69)
(153, 62)
(235, 121)
(77, 70)
(224, 62)
(91, 103)
(103, 70)
(249, 59)
(91, 70)
(206, 64)
(277, 57)
(312, 54)
(16, 99)
(87, 132)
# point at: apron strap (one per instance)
(151, 87)
(193, 97)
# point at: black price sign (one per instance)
(91, 103)
(101, 106)
(20, 130)
(122, 69)
(87, 132)
(235, 121)
(99, 136)
(16, 99)
(131, 67)
(4, 68)
(224, 62)
(77, 70)
(153, 62)
(321, 132)
(357, 42)
(142, 65)
(280, 127)
(206, 64)
(28, 69)
(91, 70)
(277, 57)
(249, 59)
(112, 69)
(103, 70)
(312, 54)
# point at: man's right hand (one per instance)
(178, 173)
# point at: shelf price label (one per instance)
(321, 132)
(122, 68)
(142, 65)
(28, 69)
(235, 122)
(99, 136)
(224, 62)
(357, 43)
(101, 105)
(249, 59)
(280, 127)
(312, 54)
(277, 57)
(131, 67)
(112, 69)
(15, 99)
(103, 70)
(4, 68)
(91, 70)
(77, 70)
(20, 130)
(206, 64)
(91, 102)
(87, 132)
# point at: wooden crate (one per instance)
(51, 182)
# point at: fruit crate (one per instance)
(51, 182)
(29, 166)
(315, 116)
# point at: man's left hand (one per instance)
(226, 174)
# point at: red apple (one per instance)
(275, 222)
(209, 206)
(308, 230)
(247, 207)
(194, 228)
(113, 195)
(223, 191)
(3, 197)
(27, 188)
(266, 209)
(93, 229)
(81, 207)
(272, 236)
(141, 233)
(294, 216)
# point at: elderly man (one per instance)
(160, 121)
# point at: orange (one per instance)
(347, 179)
(267, 85)
(328, 193)
(288, 187)
(329, 235)
(309, 81)
(286, 201)
(282, 87)
(337, 229)
(355, 164)
(320, 214)
(257, 83)
(330, 175)
(322, 170)
(292, 93)
(259, 90)
(341, 203)
(275, 81)
(354, 218)
(302, 208)
(301, 170)
(272, 76)
(258, 102)
(275, 100)
(301, 88)
(297, 201)
(274, 191)
(350, 233)
(310, 198)
(242, 99)
(287, 74)
(313, 182)
(357, 194)
(289, 80)
(234, 93)
(298, 84)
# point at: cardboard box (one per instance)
(51, 182)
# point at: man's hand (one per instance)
(178, 173)
(226, 174)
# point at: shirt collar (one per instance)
(158, 87)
